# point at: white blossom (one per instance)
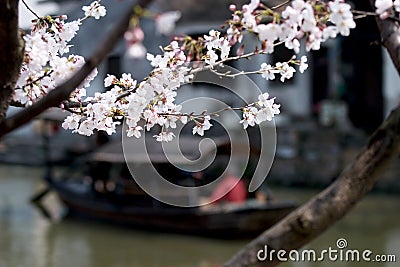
(262, 99)
(134, 131)
(268, 32)
(396, 5)
(86, 128)
(293, 44)
(267, 71)
(71, 122)
(203, 126)
(151, 102)
(268, 111)
(109, 80)
(165, 136)
(211, 57)
(136, 50)
(248, 17)
(303, 65)
(285, 70)
(225, 48)
(341, 16)
(383, 5)
(95, 10)
(165, 22)
(249, 117)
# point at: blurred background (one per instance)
(327, 114)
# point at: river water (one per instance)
(28, 239)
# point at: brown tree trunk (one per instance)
(322, 211)
(11, 52)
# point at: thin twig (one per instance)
(281, 4)
(72, 111)
(200, 115)
(33, 12)
(363, 14)
(36, 80)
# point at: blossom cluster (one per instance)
(317, 21)
(263, 110)
(164, 23)
(151, 102)
(283, 68)
(386, 8)
(45, 63)
(143, 105)
(213, 43)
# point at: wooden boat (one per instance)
(122, 201)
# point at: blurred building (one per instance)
(351, 82)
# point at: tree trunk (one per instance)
(11, 52)
(322, 211)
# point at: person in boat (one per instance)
(238, 193)
(100, 174)
(232, 189)
(261, 195)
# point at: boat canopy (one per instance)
(182, 150)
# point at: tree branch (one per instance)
(389, 30)
(315, 216)
(62, 92)
(11, 53)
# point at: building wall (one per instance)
(391, 84)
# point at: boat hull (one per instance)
(222, 221)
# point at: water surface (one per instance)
(28, 239)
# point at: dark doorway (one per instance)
(362, 58)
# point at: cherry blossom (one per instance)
(396, 5)
(249, 116)
(267, 71)
(95, 10)
(383, 5)
(165, 136)
(342, 17)
(134, 131)
(134, 38)
(268, 110)
(387, 8)
(44, 65)
(303, 65)
(285, 70)
(165, 22)
(150, 102)
(202, 126)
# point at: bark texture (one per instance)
(390, 34)
(11, 52)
